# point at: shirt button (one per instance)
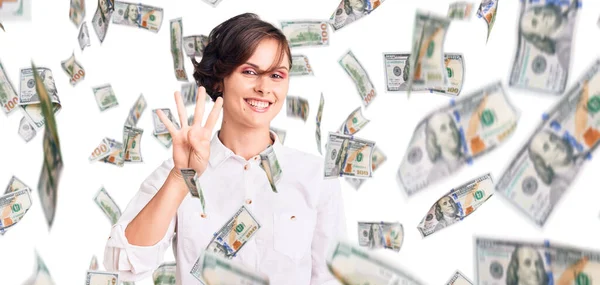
(256, 158)
(203, 215)
(246, 167)
(248, 201)
(293, 218)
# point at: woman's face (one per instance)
(132, 12)
(251, 98)
(541, 21)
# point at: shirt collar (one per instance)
(219, 152)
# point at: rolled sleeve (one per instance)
(331, 225)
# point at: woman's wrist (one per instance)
(176, 180)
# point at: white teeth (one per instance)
(257, 104)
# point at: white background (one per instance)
(137, 61)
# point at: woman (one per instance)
(245, 71)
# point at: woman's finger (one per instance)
(200, 101)
(168, 124)
(181, 109)
(214, 115)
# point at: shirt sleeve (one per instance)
(331, 226)
(137, 262)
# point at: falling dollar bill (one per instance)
(29, 98)
(8, 96)
(300, 66)
(136, 111)
(546, 165)
(214, 270)
(459, 279)
(377, 159)
(359, 75)
(102, 150)
(353, 266)
(350, 11)
(355, 121)
(77, 11)
(455, 135)
(195, 45)
(41, 275)
(165, 274)
(348, 156)
(318, 128)
(176, 52)
(193, 185)
(13, 206)
(101, 19)
(460, 10)
(138, 15)
(15, 184)
(73, 69)
(108, 151)
(306, 33)
(94, 263)
(84, 36)
(15, 10)
(543, 55)
(234, 234)
(455, 68)
(105, 97)
(487, 10)
(165, 139)
(189, 94)
(280, 133)
(132, 138)
(270, 164)
(297, 107)
(457, 204)
(26, 130)
(108, 205)
(101, 278)
(159, 127)
(380, 235)
(214, 3)
(427, 60)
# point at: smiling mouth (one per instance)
(258, 105)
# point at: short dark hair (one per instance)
(231, 44)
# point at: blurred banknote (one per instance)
(349, 11)
(355, 121)
(270, 164)
(105, 97)
(280, 133)
(73, 69)
(189, 94)
(318, 128)
(165, 274)
(459, 279)
(94, 263)
(132, 138)
(13, 206)
(194, 45)
(380, 235)
(101, 19)
(427, 60)
(8, 96)
(457, 204)
(453, 136)
(460, 10)
(300, 66)
(234, 234)
(159, 127)
(487, 11)
(41, 275)
(26, 130)
(547, 164)
(176, 51)
(348, 156)
(359, 75)
(108, 205)
(102, 150)
(377, 159)
(15, 184)
(77, 11)
(214, 270)
(29, 97)
(306, 33)
(543, 55)
(193, 185)
(297, 107)
(214, 3)
(136, 111)
(165, 139)
(101, 278)
(84, 36)
(15, 10)
(115, 156)
(138, 15)
(352, 265)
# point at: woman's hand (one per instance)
(191, 144)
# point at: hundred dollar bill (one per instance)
(101, 19)
(77, 11)
(280, 133)
(176, 52)
(297, 107)
(101, 278)
(195, 45)
(29, 98)
(351, 265)
(159, 127)
(359, 75)
(16, 10)
(52, 162)
(13, 206)
(348, 156)
(214, 3)
(8, 97)
(138, 15)
(105, 97)
(355, 121)
(94, 263)
(132, 138)
(214, 270)
(455, 67)
(457, 204)
(193, 185)
(377, 159)
(15, 184)
(84, 36)
(427, 60)
(234, 234)
(73, 69)
(543, 55)
(460, 10)
(319, 116)
(102, 150)
(165, 274)
(546, 165)
(574, 266)
(380, 235)
(164, 139)
(487, 11)
(41, 276)
(270, 164)
(452, 136)
(189, 92)
(108, 205)
(459, 279)
(300, 66)
(115, 156)
(301, 33)
(350, 11)
(26, 130)
(136, 111)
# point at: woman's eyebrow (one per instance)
(259, 69)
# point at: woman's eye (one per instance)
(251, 72)
(275, 75)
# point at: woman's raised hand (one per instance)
(191, 144)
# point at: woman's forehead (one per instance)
(269, 54)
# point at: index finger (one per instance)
(200, 102)
(214, 114)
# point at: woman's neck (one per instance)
(243, 141)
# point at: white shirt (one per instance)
(288, 250)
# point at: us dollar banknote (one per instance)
(194, 45)
(15, 184)
(29, 98)
(380, 235)
(73, 69)
(319, 117)
(487, 10)
(377, 159)
(165, 139)
(84, 36)
(460, 10)
(132, 139)
(234, 234)
(101, 19)
(545, 37)
(159, 127)
(8, 96)
(350, 11)
(301, 33)
(136, 111)
(270, 164)
(300, 65)
(453, 136)
(459, 279)
(351, 265)
(165, 274)
(13, 206)
(214, 3)
(94, 263)
(41, 275)
(193, 185)
(108, 151)
(214, 270)
(296, 107)
(138, 15)
(359, 76)
(26, 130)
(105, 97)
(457, 204)
(427, 60)
(546, 165)
(176, 51)
(77, 11)
(348, 156)
(354, 123)
(280, 133)
(108, 205)
(101, 278)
